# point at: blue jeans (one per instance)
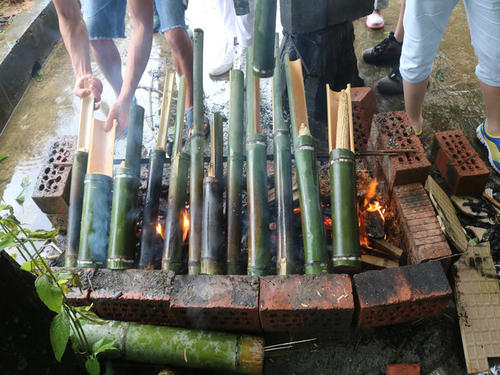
(105, 19)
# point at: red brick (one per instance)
(402, 294)
(403, 369)
(306, 302)
(220, 302)
(392, 130)
(463, 169)
(141, 296)
(422, 236)
(364, 106)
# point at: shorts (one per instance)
(171, 14)
(425, 22)
(105, 19)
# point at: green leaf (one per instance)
(7, 241)
(28, 266)
(3, 157)
(25, 183)
(440, 75)
(59, 335)
(41, 235)
(103, 345)
(92, 366)
(50, 294)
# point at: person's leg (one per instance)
(424, 25)
(375, 20)
(244, 27)
(491, 95)
(105, 22)
(173, 26)
(399, 33)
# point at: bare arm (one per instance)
(141, 12)
(76, 39)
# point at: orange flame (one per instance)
(296, 210)
(159, 230)
(328, 223)
(370, 205)
(376, 207)
(185, 224)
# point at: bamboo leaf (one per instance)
(41, 234)
(59, 335)
(7, 240)
(28, 266)
(103, 345)
(3, 157)
(50, 294)
(92, 366)
(7, 207)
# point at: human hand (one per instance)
(119, 111)
(94, 87)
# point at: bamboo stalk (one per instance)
(173, 257)
(179, 120)
(197, 148)
(124, 210)
(286, 250)
(316, 257)
(241, 7)
(343, 131)
(259, 257)
(332, 100)
(166, 104)
(263, 41)
(216, 351)
(101, 148)
(80, 158)
(351, 124)
(235, 173)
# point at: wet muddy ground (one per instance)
(49, 109)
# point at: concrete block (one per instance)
(402, 294)
(220, 302)
(463, 169)
(306, 303)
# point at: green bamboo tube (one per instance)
(315, 253)
(150, 257)
(96, 214)
(346, 249)
(216, 351)
(235, 173)
(313, 231)
(173, 258)
(286, 256)
(241, 7)
(197, 149)
(75, 206)
(122, 236)
(134, 140)
(179, 119)
(263, 39)
(212, 236)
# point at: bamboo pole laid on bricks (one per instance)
(151, 253)
(313, 233)
(346, 248)
(80, 157)
(97, 193)
(215, 351)
(235, 173)
(212, 234)
(286, 257)
(197, 149)
(263, 38)
(124, 211)
(259, 258)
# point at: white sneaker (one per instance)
(375, 20)
(240, 58)
(226, 58)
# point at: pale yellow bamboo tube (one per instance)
(166, 105)
(351, 125)
(299, 98)
(256, 112)
(101, 149)
(332, 99)
(86, 122)
(342, 136)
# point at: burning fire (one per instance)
(370, 205)
(185, 224)
(376, 207)
(159, 230)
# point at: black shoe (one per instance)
(392, 84)
(387, 51)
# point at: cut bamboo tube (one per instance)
(86, 122)
(332, 100)
(101, 148)
(351, 124)
(263, 41)
(315, 253)
(342, 133)
(256, 105)
(179, 119)
(166, 105)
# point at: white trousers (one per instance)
(425, 22)
(240, 27)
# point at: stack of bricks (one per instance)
(422, 236)
(51, 192)
(458, 162)
(364, 106)
(392, 130)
